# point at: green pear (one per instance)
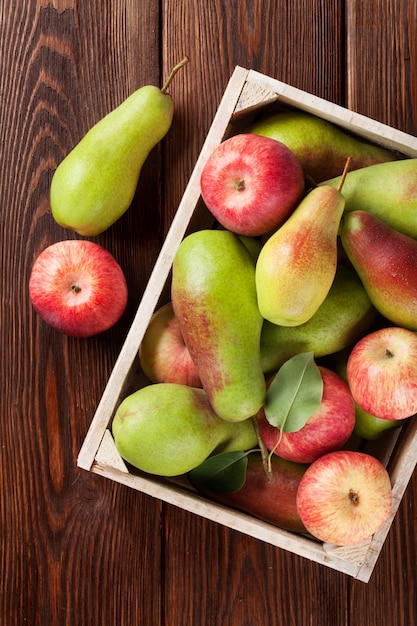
(386, 262)
(387, 190)
(370, 427)
(344, 316)
(213, 295)
(253, 245)
(168, 429)
(95, 183)
(270, 497)
(297, 264)
(321, 147)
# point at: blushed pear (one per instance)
(213, 295)
(297, 264)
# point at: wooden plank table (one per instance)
(77, 549)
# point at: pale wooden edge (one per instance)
(368, 128)
(356, 560)
(108, 456)
(110, 397)
(251, 99)
(194, 503)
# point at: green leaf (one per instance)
(221, 473)
(295, 393)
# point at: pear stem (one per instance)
(345, 171)
(263, 449)
(174, 70)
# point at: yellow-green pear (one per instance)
(168, 429)
(344, 316)
(213, 295)
(95, 183)
(387, 190)
(297, 264)
(321, 147)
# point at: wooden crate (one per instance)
(247, 92)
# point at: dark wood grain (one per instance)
(381, 83)
(74, 548)
(77, 549)
(382, 56)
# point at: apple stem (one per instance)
(174, 70)
(75, 288)
(353, 497)
(264, 451)
(240, 185)
(345, 171)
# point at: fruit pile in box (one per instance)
(290, 331)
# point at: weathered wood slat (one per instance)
(74, 548)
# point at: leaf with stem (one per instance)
(295, 393)
(221, 473)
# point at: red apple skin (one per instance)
(328, 429)
(382, 373)
(251, 184)
(78, 288)
(344, 497)
(163, 354)
(272, 499)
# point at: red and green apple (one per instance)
(344, 497)
(327, 429)
(251, 184)
(163, 355)
(78, 287)
(382, 373)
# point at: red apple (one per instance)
(163, 354)
(344, 497)
(326, 430)
(251, 184)
(78, 287)
(382, 373)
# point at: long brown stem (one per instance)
(263, 449)
(174, 70)
(345, 171)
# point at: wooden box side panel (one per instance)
(114, 387)
(369, 129)
(357, 560)
(176, 493)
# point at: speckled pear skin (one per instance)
(213, 295)
(386, 262)
(321, 147)
(168, 429)
(95, 183)
(387, 190)
(345, 315)
(297, 264)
